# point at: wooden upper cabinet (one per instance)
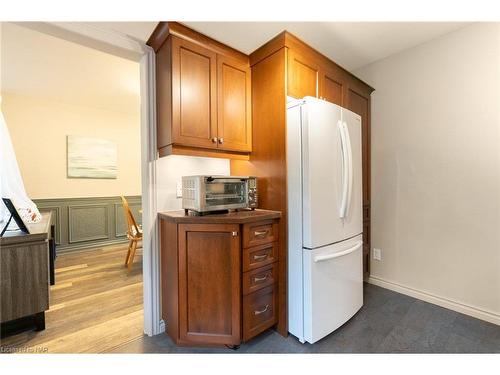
(203, 95)
(331, 85)
(194, 90)
(303, 74)
(209, 283)
(234, 125)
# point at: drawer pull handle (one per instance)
(260, 233)
(259, 257)
(258, 312)
(259, 279)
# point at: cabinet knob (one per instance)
(221, 140)
(214, 139)
(234, 234)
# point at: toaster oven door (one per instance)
(222, 194)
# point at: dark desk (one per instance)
(25, 273)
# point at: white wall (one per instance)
(436, 170)
(170, 169)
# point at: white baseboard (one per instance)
(475, 312)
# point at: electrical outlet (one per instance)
(377, 254)
(179, 190)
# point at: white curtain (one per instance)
(11, 182)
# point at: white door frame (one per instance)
(125, 46)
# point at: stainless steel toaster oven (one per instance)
(216, 193)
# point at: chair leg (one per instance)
(132, 255)
(128, 252)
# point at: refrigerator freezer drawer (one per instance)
(333, 287)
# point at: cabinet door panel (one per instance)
(302, 75)
(209, 284)
(233, 106)
(193, 95)
(331, 87)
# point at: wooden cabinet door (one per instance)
(331, 86)
(234, 127)
(302, 75)
(194, 91)
(209, 283)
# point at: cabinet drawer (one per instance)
(258, 256)
(259, 311)
(260, 233)
(259, 278)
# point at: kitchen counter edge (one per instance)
(236, 217)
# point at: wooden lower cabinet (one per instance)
(217, 290)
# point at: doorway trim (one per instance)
(125, 46)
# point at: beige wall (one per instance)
(436, 169)
(52, 88)
(38, 129)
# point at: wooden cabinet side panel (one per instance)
(164, 94)
(268, 157)
(169, 278)
(24, 284)
(360, 104)
(359, 101)
(209, 284)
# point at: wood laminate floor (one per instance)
(95, 305)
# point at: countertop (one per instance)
(38, 232)
(232, 217)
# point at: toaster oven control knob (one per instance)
(252, 197)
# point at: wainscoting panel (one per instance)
(89, 222)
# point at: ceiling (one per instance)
(39, 64)
(350, 44)
(44, 66)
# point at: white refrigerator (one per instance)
(325, 242)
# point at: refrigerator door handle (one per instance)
(321, 258)
(349, 169)
(343, 204)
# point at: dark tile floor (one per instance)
(388, 322)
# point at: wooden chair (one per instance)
(134, 234)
